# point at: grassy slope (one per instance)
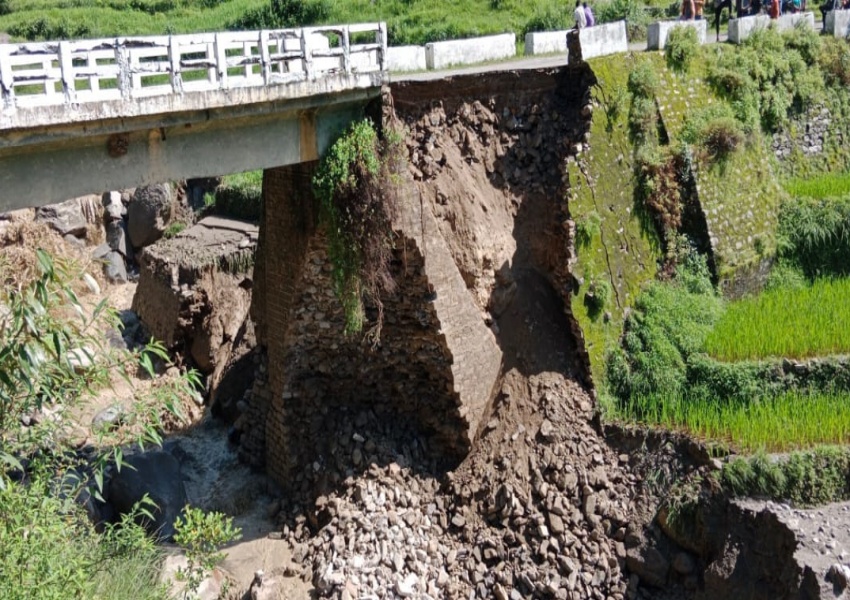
(621, 251)
(409, 21)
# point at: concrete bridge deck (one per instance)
(129, 111)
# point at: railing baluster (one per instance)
(221, 61)
(7, 80)
(122, 60)
(346, 49)
(382, 40)
(66, 71)
(174, 60)
(307, 52)
(265, 58)
(91, 64)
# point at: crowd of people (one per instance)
(692, 10)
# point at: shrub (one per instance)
(811, 478)
(280, 14)
(549, 17)
(813, 235)
(632, 11)
(682, 46)
(643, 82)
(834, 59)
(587, 227)
(5, 7)
(201, 535)
(722, 137)
(767, 79)
(597, 296)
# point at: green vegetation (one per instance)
(52, 359)
(807, 478)
(239, 195)
(668, 324)
(768, 79)
(52, 552)
(202, 534)
(790, 421)
(409, 21)
(682, 47)
(792, 323)
(826, 185)
(813, 236)
(173, 229)
(356, 186)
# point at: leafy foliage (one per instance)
(52, 359)
(355, 184)
(682, 47)
(587, 227)
(767, 78)
(279, 14)
(632, 11)
(201, 535)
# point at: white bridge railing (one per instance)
(74, 72)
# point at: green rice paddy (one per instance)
(791, 323)
(788, 422)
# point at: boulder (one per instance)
(148, 214)
(116, 237)
(113, 207)
(158, 475)
(114, 267)
(66, 217)
(108, 418)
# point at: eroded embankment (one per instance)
(542, 506)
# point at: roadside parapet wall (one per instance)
(439, 55)
(603, 40)
(545, 42)
(406, 58)
(656, 33)
(741, 29)
(838, 23)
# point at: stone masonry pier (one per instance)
(436, 364)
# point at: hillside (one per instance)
(409, 21)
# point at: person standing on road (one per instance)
(581, 17)
(687, 10)
(719, 5)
